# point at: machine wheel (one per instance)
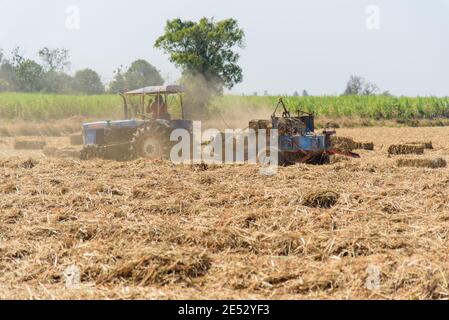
(89, 153)
(151, 142)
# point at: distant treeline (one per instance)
(51, 75)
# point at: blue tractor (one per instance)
(150, 113)
(297, 140)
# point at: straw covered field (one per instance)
(152, 230)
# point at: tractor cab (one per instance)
(164, 99)
(153, 112)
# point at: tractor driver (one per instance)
(158, 109)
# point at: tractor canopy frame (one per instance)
(155, 91)
(307, 118)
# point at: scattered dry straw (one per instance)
(153, 266)
(138, 230)
(320, 199)
(29, 164)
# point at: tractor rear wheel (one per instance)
(151, 142)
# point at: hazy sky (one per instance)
(401, 45)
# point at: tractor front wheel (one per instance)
(90, 152)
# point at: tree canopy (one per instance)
(358, 86)
(54, 59)
(206, 47)
(140, 74)
(29, 74)
(88, 81)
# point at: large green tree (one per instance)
(205, 48)
(140, 74)
(29, 75)
(88, 81)
(57, 82)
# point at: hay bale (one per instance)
(405, 149)
(61, 153)
(76, 140)
(321, 199)
(425, 145)
(67, 153)
(50, 151)
(348, 144)
(366, 146)
(343, 143)
(29, 144)
(422, 163)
